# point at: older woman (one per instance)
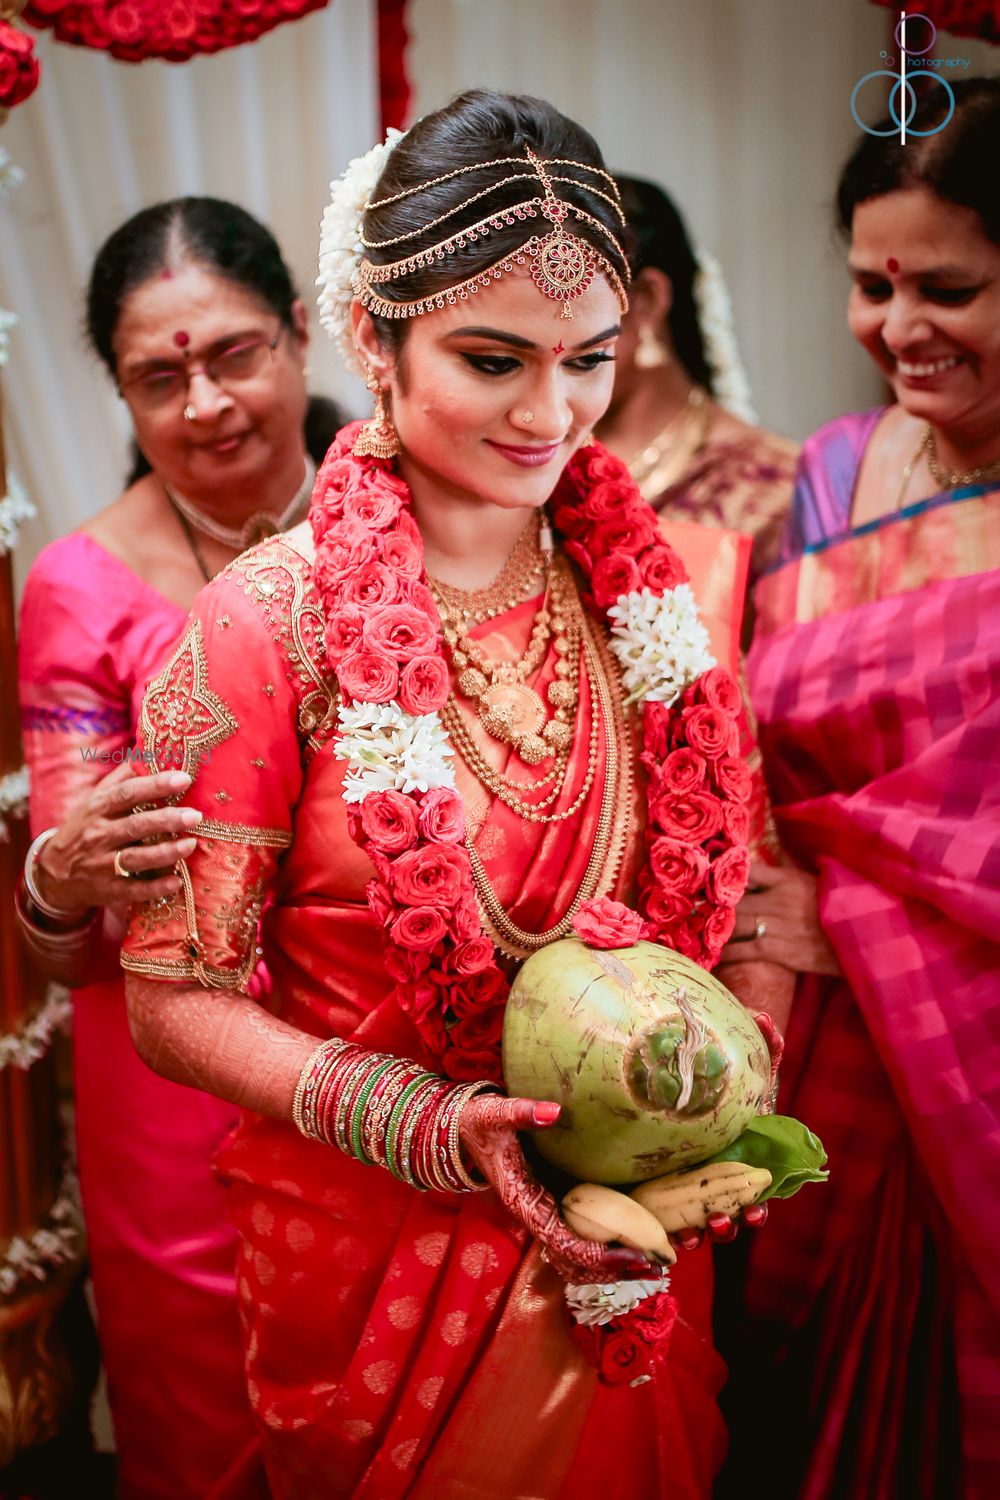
(875, 676)
(191, 308)
(422, 770)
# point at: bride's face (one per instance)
(492, 396)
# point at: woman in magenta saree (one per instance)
(875, 675)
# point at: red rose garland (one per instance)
(18, 66)
(383, 639)
(133, 30)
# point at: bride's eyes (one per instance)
(505, 364)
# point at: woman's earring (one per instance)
(377, 438)
(651, 352)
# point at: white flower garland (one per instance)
(15, 507)
(11, 175)
(13, 799)
(19, 1049)
(730, 385)
(660, 641)
(597, 1303)
(340, 247)
(7, 322)
(55, 1243)
(388, 749)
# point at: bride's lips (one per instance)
(529, 457)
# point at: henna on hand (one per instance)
(488, 1131)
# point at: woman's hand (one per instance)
(778, 922)
(488, 1131)
(75, 869)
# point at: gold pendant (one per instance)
(510, 710)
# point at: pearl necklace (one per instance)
(256, 527)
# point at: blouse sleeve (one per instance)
(225, 710)
(74, 705)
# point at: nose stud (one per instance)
(527, 417)
(189, 412)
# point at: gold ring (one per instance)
(125, 874)
(759, 927)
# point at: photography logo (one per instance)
(915, 37)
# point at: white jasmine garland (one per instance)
(7, 322)
(11, 175)
(340, 247)
(15, 507)
(56, 1242)
(597, 1303)
(730, 385)
(660, 641)
(13, 799)
(388, 749)
(19, 1049)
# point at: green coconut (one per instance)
(656, 1064)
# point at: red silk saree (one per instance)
(875, 675)
(398, 1343)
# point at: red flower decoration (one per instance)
(133, 30)
(607, 924)
(18, 66)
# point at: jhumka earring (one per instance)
(651, 352)
(377, 438)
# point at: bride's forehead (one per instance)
(514, 304)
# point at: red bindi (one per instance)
(166, 274)
(892, 263)
(559, 349)
(182, 339)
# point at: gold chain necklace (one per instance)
(649, 458)
(946, 481)
(612, 826)
(512, 584)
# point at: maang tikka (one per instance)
(377, 438)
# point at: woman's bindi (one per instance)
(892, 264)
(182, 339)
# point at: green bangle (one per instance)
(357, 1116)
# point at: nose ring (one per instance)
(527, 417)
(190, 412)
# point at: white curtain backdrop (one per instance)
(741, 109)
(266, 125)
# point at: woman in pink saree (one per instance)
(192, 309)
(875, 674)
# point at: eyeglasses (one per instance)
(167, 385)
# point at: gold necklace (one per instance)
(947, 481)
(511, 585)
(648, 459)
(612, 826)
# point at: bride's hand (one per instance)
(488, 1132)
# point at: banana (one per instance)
(686, 1200)
(602, 1214)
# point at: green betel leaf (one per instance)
(790, 1152)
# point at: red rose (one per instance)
(694, 818)
(719, 689)
(579, 554)
(605, 501)
(442, 817)
(685, 937)
(368, 676)
(402, 554)
(570, 521)
(600, 466)
(631, 532)
(346, 546)
(709, 731)
(466, 1067)
(419, 1000)
(479, 992)
(472, 956)
(433, 1032)
(433, 875)
(373, 508)
(679, 867)
(664, 908)
(380, 904)
(728, 876)
(423, 686)
(418, 928)
(624, 1356)
(662, 569)
(607, 924)
(343, 632)
(465, 919)
(390, 821)
(371, 585)
(400, 631)
(718, 928)
(404, 965)
(614, 576)
(682, 771)
(18, 66)
(733, 778)
(654, 1318)
(478, 1031)
(736, 822)
(655, 732)
(126, 23)
(420, 596)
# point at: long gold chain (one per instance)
(610, 838)
(947, 481)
